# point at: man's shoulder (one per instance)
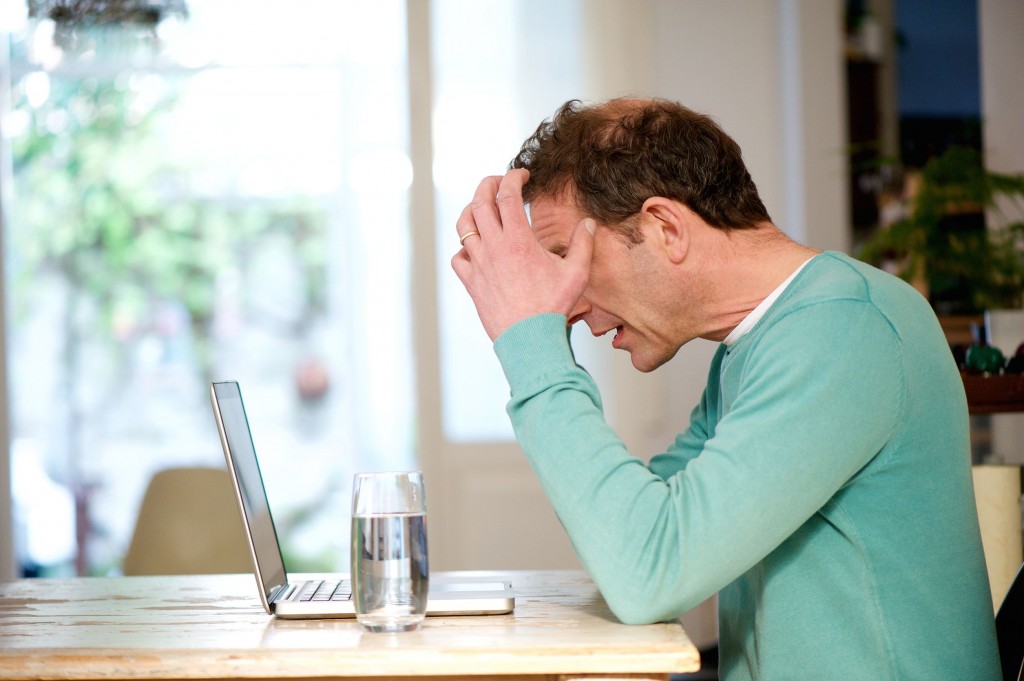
(834, 276)
(833, 268)
(836, 296)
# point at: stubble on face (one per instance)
(624, 296)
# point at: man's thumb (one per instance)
(581, 244)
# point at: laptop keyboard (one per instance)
(326, 590)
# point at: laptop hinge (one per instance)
(281, 592)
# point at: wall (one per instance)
(1001, 25)
(771, 73)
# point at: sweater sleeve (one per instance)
(690, 443)
(657, 543)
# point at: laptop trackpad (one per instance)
(453, 587)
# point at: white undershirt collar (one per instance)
(755, 315)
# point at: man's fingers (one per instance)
(466, 228)
(509, 200)
(462, 266)
(484, 212)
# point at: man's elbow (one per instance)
(641, 607)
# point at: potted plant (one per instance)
(964, 267)
(943, 245)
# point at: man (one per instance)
(823, 485)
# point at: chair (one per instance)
(188, 523)
(1010, 630)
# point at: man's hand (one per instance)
(506, 271)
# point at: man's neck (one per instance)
(740, 270)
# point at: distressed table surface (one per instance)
(213, 627)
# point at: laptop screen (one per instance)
(246, 471)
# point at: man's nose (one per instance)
(581, 308)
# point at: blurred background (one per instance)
(210, 194)
(197, 190)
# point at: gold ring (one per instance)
(462, 239)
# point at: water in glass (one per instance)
(390, 576)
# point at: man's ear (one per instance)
(669, 224)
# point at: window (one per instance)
(228, 201)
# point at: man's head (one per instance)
(610, 158)
(680, 226)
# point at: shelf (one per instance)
(994, 394)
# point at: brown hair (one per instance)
(612, 157)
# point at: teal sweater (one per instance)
(822, 488)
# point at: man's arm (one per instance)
(689, 444)
(796, 434)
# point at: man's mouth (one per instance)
(617, 340)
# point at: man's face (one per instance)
(627, 293)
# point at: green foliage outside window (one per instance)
(99, 203)
(102, 206)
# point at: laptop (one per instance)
(325, 596)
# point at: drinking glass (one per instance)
(390, 576)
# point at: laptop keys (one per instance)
(327, 590)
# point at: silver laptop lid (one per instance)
(240, 453)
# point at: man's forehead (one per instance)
(546, 209)
(553, 220)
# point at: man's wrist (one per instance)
(533, 347)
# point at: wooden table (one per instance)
(213, 627)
